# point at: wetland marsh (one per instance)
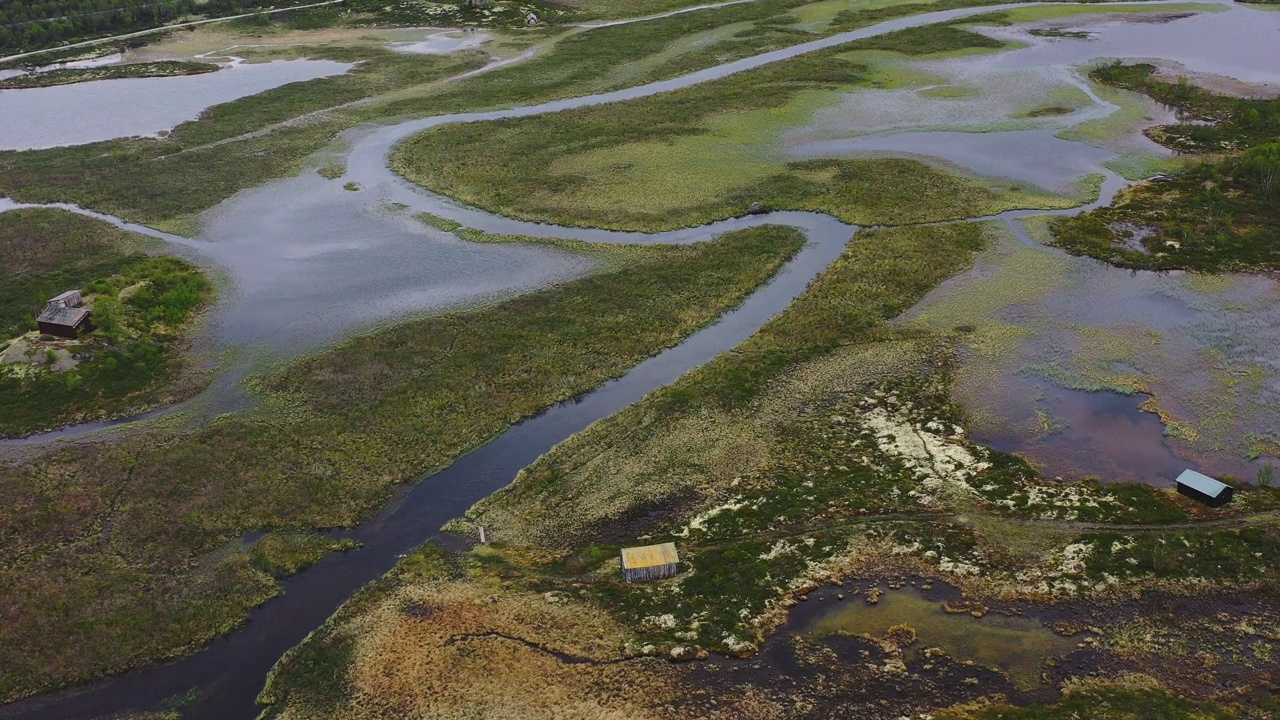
(956, 403)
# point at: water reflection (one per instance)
(106, 109)
(1017, 646)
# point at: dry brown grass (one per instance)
(476, 646)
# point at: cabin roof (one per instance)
(1202, 483)
(649, 556)
(60, 315)
(64, 297)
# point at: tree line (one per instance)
(26, 25)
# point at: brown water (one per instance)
(1064, 350)
(1016, 646)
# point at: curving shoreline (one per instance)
(230, 670)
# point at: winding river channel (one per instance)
(227, 675)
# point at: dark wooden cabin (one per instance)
(63, 316)
(1213, 493)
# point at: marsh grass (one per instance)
(775, 465)
(127, 523)
(163, 68)
(1218, 213)
(690, 156)
(283, 554)
(151, 180)
(439, 223)
(141, 304)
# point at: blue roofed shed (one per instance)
(1204, 488)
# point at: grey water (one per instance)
(1036, 157)
(358, 249)
(990, 130)
(33, 118)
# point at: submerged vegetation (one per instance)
(151, 180)
(140, 305)
(338, 430)
(1220, 213)
(827, 450)
(704, 153)
(822, 450)
(67, 76)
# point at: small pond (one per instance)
(1017, 646)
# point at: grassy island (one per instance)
(68, 76)
(1222, 212)
(140, 306)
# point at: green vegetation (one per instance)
(155, 180)
(686, 157)
(150, 180)
(448, 13)
(26, 26)
(824, 448)
(826, 442)
(283, 554)
(133, 524)
(1221, 555)
(1220, 213)
(140, 305)
(759, 435)
(439, 223)
(164, 68)
(1055, 33)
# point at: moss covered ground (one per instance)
(141, 307)
(135, 524)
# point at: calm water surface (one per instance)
(105, 109)
(308, 260)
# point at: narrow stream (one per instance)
(228, 674)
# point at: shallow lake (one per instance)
(1061, 351)
(999, 113)
(1017, 646)
(105, 109)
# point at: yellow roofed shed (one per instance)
(651, 562)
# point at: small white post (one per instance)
(482, 541)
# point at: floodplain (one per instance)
(943, 425)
